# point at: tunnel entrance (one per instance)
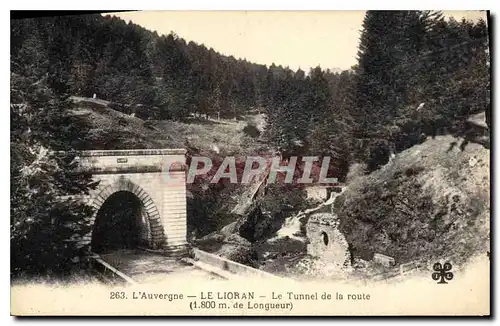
(118, 223)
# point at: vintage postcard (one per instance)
(250, 163)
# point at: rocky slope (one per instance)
(432, 202)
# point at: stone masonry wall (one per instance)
(326, 241)
(163, 196)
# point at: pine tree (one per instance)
(319, 97)
(390, 40)
(47, 214)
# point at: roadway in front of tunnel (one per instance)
(145, 267)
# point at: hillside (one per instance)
(420, 191)
(432, 202)
(111, 129)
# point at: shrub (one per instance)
(251, 130)
(122, 121)
(378, 155)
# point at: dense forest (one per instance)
(405, 58)
(128, 64)
(418, 75)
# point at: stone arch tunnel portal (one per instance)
(135, 205)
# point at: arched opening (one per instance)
(119, 223)
(324, 236)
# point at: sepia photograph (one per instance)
(243, 163)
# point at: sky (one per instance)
(297, 39)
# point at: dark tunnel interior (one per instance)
(117, 223)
